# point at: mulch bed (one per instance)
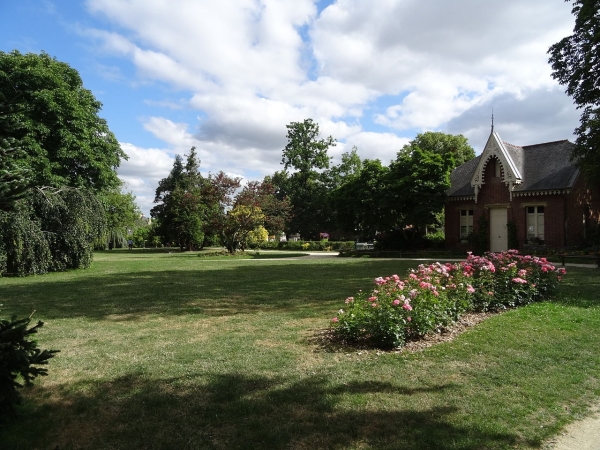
(326, 340)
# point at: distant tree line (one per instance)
(60, 196)
(356, 199)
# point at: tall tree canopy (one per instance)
(64, 140)
(576, 64)
(416, 192)
(442, 144)
(306, 187)
(122, 215)
(358, 200)
(304, 151)
(56, 157)
(181, 212)
(192, 207)
(15, 177)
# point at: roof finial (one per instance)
(492, 119)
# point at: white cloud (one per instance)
(249, 67)
(142, 172)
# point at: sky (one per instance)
(227, 76)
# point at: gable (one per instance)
(525, 170)
(496, 149)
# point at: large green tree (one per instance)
(442, 144)
(358, 201)
(181, 211)
(262, 195)
(416, 190)
(575, 63)
(192, 207)
(305, 151)
(306, 185)
(122, 215)
(57, 156)
(64, 140)
(15, 177)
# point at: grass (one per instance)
(172, 351)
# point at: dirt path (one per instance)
(581, 435)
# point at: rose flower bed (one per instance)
(434, 296)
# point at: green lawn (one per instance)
(173, 351)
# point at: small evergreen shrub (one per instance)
(19, 360)
(432, 297)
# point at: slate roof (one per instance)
(542, 166)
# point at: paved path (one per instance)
(581, 435)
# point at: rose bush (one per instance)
(433, 296)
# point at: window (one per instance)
(466, 222)
(535, 223)
(497, 168)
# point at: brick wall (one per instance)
(563, 213)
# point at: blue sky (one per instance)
(226, 77)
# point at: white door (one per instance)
(498, 230)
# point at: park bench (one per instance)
(594, 258)
(364, 246)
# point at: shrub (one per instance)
(308, 245)
(509, 279)
(19, 356)
(433, 296)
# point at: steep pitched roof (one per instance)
(537, 167)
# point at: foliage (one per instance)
(262, 195)
(141, 236)
(15, 177)
(479, 240)
(358, 200)
(182, 210)
(306, 188)
(122, 215)
(19, 359)
(65, 142)
(25, 249)
(257, 236)
(308, 245)
(304, 151)
(52, 230)
(436, 240)
(442, 144)
(433, 296)
(418, 181)
(238, 224)
(509, 279)
(575, 63)
(401, 240)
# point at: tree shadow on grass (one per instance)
(234, 411)
(580, 287)
(237, 289)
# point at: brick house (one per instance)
(530, 195)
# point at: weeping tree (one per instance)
(51, 230)
(122, 218)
